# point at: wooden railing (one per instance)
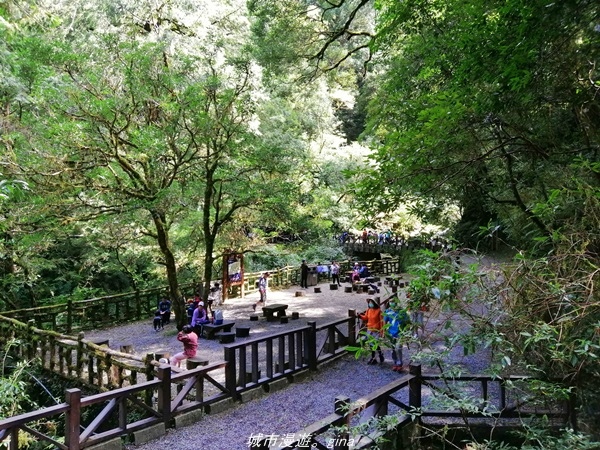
(254, 363)
(266, 359)
(157, 401)
(332, 338)
(122, 411)
(290, 275)
(405, 395)
(95, 313)
(75, 357)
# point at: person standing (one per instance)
(374, 322)
(335, 273)
(216, 294)
(189, 339)
(262, 290)
(397, 321)
(304, 274)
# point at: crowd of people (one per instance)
(389, 328)
(388, 237)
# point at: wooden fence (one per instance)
(266, 359)
(404, 398)
(95, 313)
(119, 412)
(124, 411)
(161, 396)
(75, 357)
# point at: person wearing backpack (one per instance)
(396, 321)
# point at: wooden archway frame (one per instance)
(232, 279)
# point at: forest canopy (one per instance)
(141, 141)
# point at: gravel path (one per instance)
(295, 407)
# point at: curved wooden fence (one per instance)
(93, 313)
(405, 398)
(75, 357)
(74, 316)
(150, 394)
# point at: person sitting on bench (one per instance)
(189, 339)
(364, 271)
(165, 309)
(199, 318)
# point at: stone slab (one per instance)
(252, 394)
(188, 418)
(113, 444)
(149, 434)
(220, 406)
(277, 385)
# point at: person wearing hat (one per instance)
(374, 323)
(189, 339)
(199, 318)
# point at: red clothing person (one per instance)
(190, 345)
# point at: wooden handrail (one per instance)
(115, 399)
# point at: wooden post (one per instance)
(164, 393)
(331, 340)
(341, 407)
(572, 411)
(69, 316)
(72, 422)
(311, 345)
(230, 370)
(149, 369)
(79, 355)
(414, 387)
(138, 305)
(352, 327)
(32, 344)
(106, 317)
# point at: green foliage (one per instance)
(271, 256)
(435, 277)
(13, 384)
(482, 102)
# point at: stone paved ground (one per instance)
(300, 404)
(322, 308)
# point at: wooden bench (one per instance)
(210, 329)
(225, 337)
(242, 332)
(274, 311)
(192, 363)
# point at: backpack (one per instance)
(403, 319)
(398, 320)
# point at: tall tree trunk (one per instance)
(162, 235)
(209, 241)
(210, 232)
